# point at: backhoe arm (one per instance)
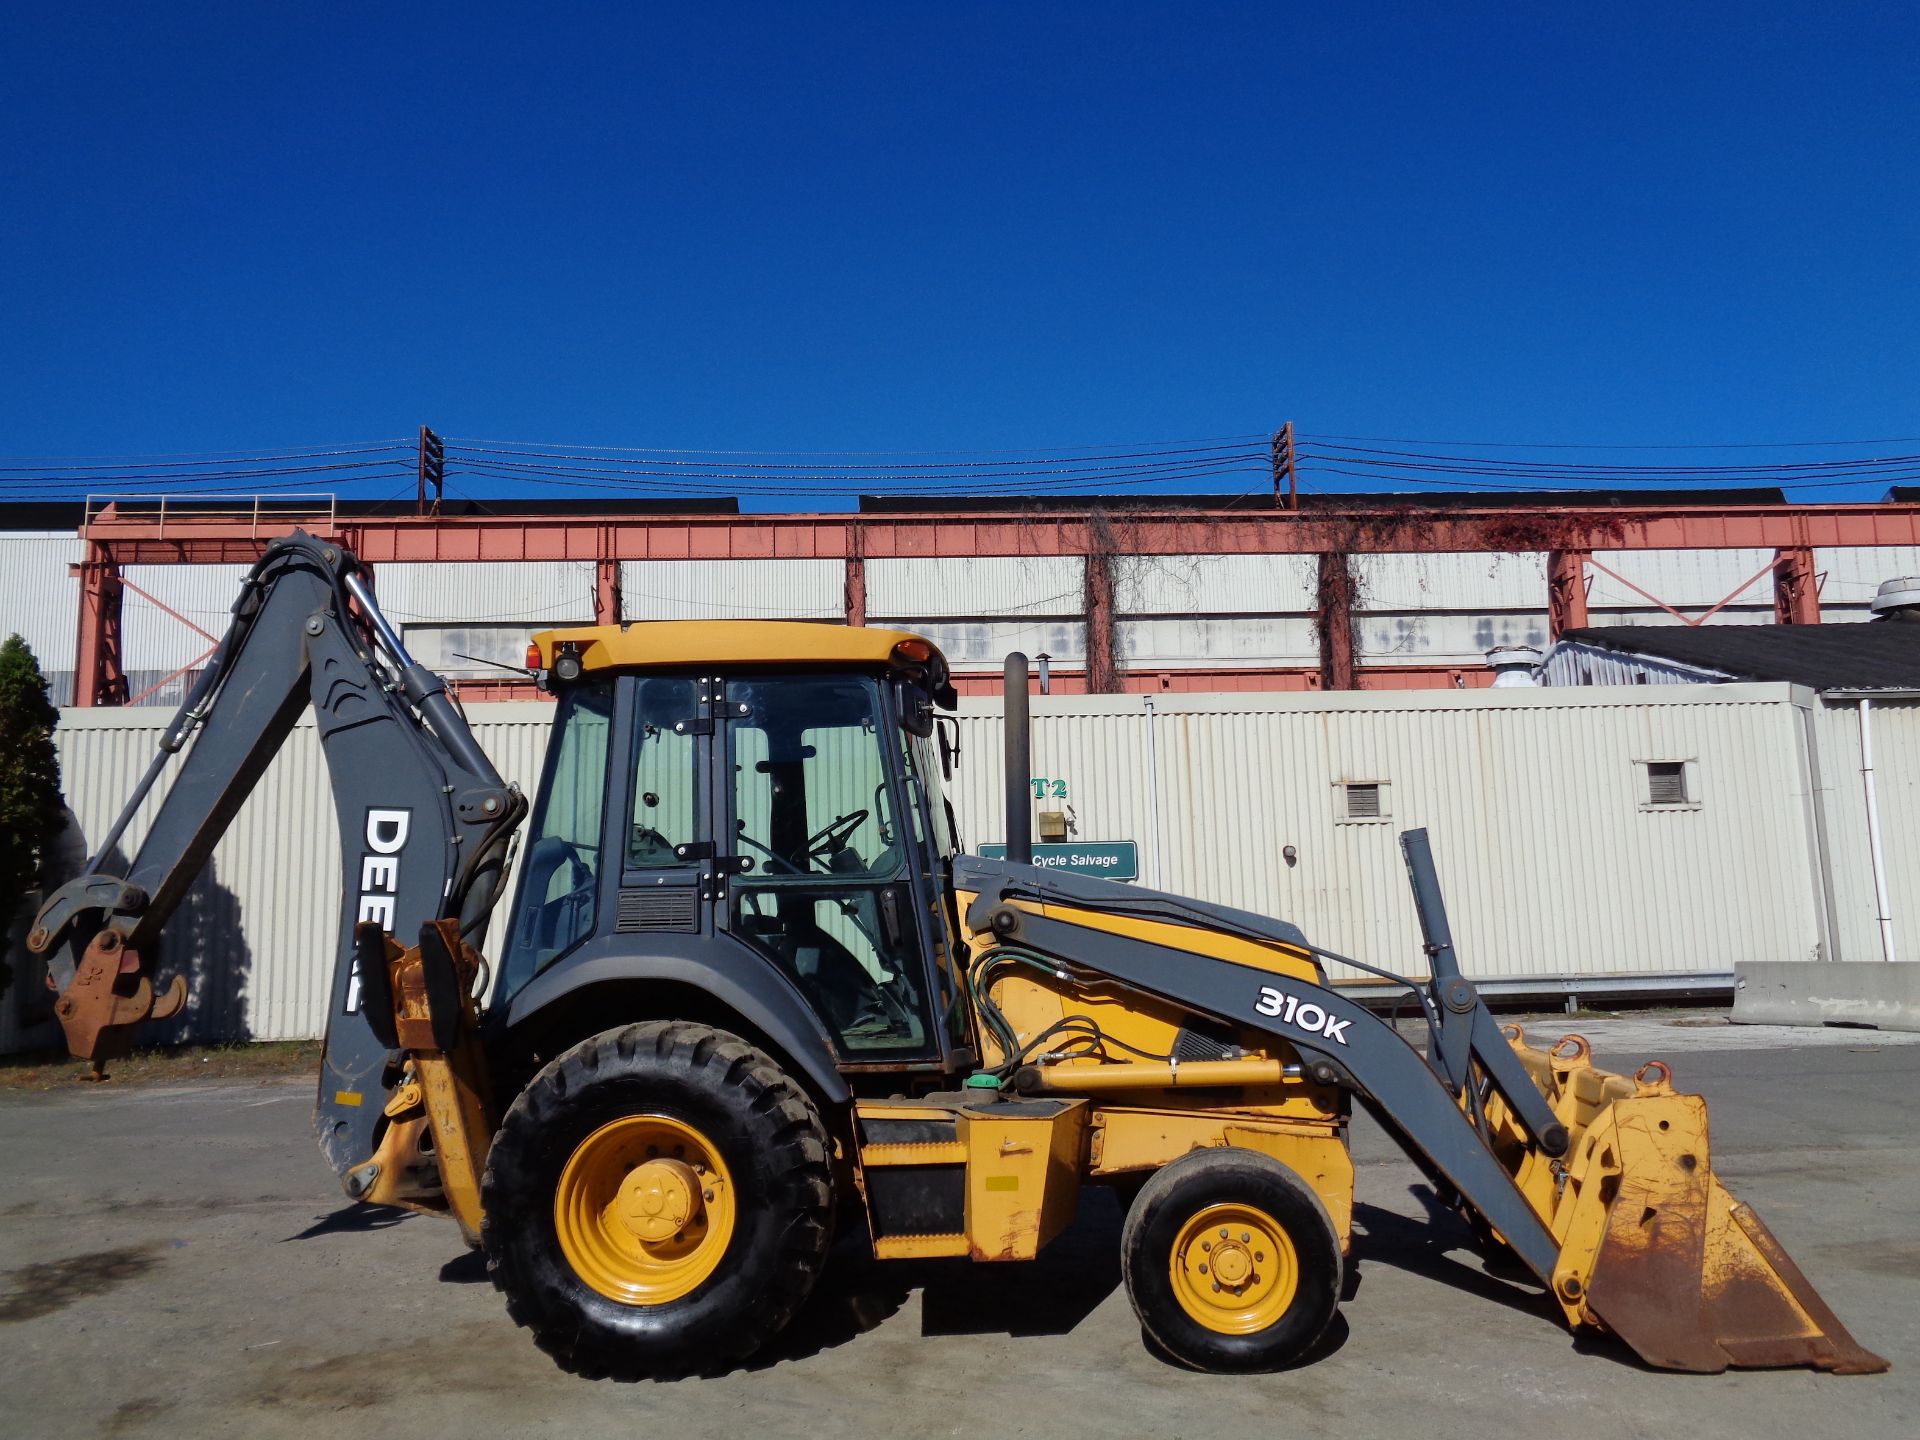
(425, 820)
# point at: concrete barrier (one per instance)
(1817, 992)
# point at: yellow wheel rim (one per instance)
(1234, 1269)
(644, 1209)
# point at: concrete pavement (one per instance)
(178, 1261)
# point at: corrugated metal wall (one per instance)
(1420, 609)
(1896, 763)
(1688, 580)
(1553, 865)
(1215, 642)
(1555, 868)
(556, 592)
(1215, 584)
(1852, 575)
(733, 589)
(256, 936)
(40, 601)
(1211, 611)
(1570, 663)
(987, 585)
(979, 609)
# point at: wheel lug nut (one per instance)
(706, 1195)
(1206, 1244)
(1223, 1234)
(1245, 1239)
(1216, 1287)
(1259, 1255)
(1203, 1269)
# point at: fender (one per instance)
(721, 967)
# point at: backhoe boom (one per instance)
(425, 820)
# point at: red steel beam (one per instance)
(606, 592)
(856, 579)
(521, 538)
(1334, 621)
(99, 676)
(1102, 672)
(1796, 589)
(1566, 591)
(1158, 680)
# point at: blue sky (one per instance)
(963, 226)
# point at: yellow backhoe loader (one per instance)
(752, 991)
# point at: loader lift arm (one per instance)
(425, 821)
(1347, 1046)
(1647, 1243)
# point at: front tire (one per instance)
(1231, 1261)
(658, 1200)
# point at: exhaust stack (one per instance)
(1019, 762)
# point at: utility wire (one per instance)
(1356, 455)
(1259, 435)
(1705, 487)
(1201, 452)
(1174, 465)
(1537, 445)
(837, 484)
(191, 457)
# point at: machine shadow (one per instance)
(1048, 1296)
(1331, 1340)
(355, 1219)
(1427, 1247)
(469, 1267)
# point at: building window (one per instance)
(1361, 800)
(1668, 785)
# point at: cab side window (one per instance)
(665, 793)
(559, 876)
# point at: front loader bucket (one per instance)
(1653, 1247)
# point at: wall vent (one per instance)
(1365, 801)
(1667, 782)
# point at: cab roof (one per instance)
(677, 644)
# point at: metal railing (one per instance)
(316, 510)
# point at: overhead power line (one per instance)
(196, 457)
(856, 454)
(1612, 445)
(1235, 465)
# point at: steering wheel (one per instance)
(833, 836)
(774, 857)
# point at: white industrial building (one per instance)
(1419, 618)
(1603, 834)
(1569, 869)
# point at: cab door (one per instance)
(820, 859)
(662, 836)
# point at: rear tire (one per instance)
(661, 1119)
(1231, 1261)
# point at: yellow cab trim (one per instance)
(679, 643)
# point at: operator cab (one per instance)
(760, 784)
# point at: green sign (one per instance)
(1107, 859)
